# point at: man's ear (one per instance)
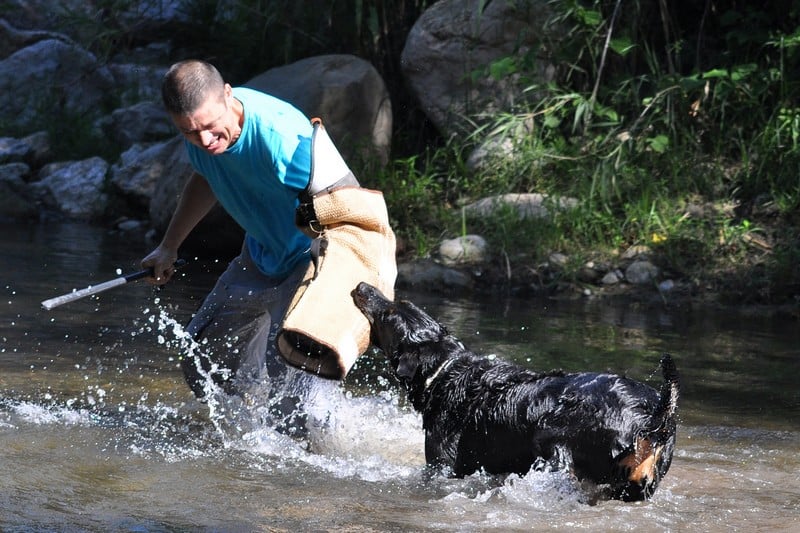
(407, 366)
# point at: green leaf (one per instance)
(716, 73)
(551, 121)
(589, 17)
(502, 68)
(743, 71)
(622, 45)
(659, 143)
(580, 111)
(785, 41)
(606, 112)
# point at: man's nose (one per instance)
(206, 137)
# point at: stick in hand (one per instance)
(94, 289)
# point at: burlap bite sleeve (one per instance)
(323, 331)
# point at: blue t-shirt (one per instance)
(257, 180)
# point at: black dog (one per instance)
(479, 413)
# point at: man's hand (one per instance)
(162, 260)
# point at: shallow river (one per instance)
(99, 433)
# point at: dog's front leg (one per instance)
(441, 451)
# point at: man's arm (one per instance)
(195, 202)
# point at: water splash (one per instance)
(173, 336)
(33, 413)
(480, 502)
(370, 437)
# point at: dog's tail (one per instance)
(670, 390)
(663, 421)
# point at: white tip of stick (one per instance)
(83, 293)
(61, 300)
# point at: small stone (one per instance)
(636, 251)
(558, 260)
(610, 279)
(468, 249)
(666, 285)
(641, 273)
(130, 225)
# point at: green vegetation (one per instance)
(676, 127)
(676, 124)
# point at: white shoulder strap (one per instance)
(327, 164)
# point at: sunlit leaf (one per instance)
(622, 45)
(743, 71)
(607, 112)
(659, 143)
(551, 121)
(502, 68)
(589, 17)
(716, 73)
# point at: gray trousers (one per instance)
(236, 328)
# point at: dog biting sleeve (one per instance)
(323, 331)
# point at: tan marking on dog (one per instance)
(642, 462)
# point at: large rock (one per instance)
(145, 122)
(44, 14)
(526, 205)
(455, 39)
(13, 38)
(431, 276)
(75, 188)
(15, 202)
(138, 169)
(346, 92)
(94, 20)
(136, 83)
(53, 77)
(33, 149)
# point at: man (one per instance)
(252, 154)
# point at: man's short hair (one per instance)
(188, 84)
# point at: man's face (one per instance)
(213, 126)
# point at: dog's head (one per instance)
(399, 328)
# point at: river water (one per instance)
(99, 433)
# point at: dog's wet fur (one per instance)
(484, 414)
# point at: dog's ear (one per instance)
(420, 326)
(407, 366)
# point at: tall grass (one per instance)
(676, 130)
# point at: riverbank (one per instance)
(498, 281)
